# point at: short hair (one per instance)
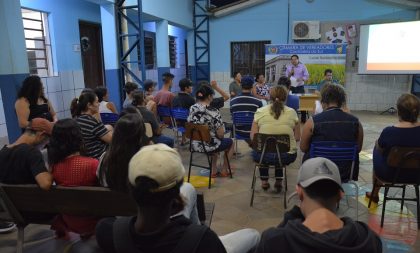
(203, 92)
(285, 81)
(130, 87)
(333, 93)
(247, 82)
(166, 77)
(148, 84)
(138, 98)
(324, 192)
(184, 83)
(235, 73)
(101, 93)
(327, 71)
(257, 76)
(295, 55)
(408, 107)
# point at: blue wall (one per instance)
(268, 21)
(64, 26)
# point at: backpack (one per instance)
(124, 243)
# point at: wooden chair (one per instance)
(201, 133)
(149, 130)
(400, 159)
(270, 143)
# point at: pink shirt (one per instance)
(300, 71)
(164, 97)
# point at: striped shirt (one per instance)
(92, 131)
(244, 103)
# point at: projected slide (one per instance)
(390, 48)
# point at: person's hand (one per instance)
(162, 126)
(300, 79)
(292, 72)
(213, 84)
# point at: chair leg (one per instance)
(383, 205)
(210, 159)
(373, 190)
(416, 188)
(236, 149)
(357, 199)
(189, 168)
(20, 239)
(285, 178)
(228, 162)
(402, 199)
(253, 186)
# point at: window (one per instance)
(248, 57)
(149, 50)
(37, 40)
(172, 51)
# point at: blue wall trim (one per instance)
(112, 77)
(10, 85)
(162, 70)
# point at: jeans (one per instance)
(300, 90)
(164, 139)
(190, 210)
(271, 159)
(241, 241)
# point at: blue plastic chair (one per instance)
(109, 118)
(337, 151)
(241, 119)
(179, 115)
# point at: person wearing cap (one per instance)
(314, 226)
(245, 102)
(155, 176)
(129, 88)
(164, 96)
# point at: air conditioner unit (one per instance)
(306, 30)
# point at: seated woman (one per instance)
(276, 118)
(96, 136)
(32, 103)
(148, 117)
(103, 97)
(406, 133)
(261, 90)
(113, 170)
(70, 168)
(202, 113)
(333, 124)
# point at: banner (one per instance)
(316, 57)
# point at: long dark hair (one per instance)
(203, 92)
(32, 90)
(79, 105)
(128, 137)
(66, 139)
(278, 95)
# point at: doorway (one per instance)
(91, 51)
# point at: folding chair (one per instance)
(109, 118)
(337, 151)
(241, 119)
(270, 143)
(179, 115)
(165, 116)
(201, 133)
(401, 159)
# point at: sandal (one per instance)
(375, 199)
(214, 175)
(225, 174)
(265, 185)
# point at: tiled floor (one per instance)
(233, 211)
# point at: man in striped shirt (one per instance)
(245, 102)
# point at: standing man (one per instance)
(298, 74)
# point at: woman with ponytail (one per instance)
(96, 136)
(276, 118)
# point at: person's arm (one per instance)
(296, 131)
(305, 73)
(219, 90)
(305, 141)
(111, 107)
(360, 137)
(107, 138)
(52, 112)
(232, 90)
(379, 148)
(22, 112)
(44, 180)
(289, 71)
(254, 130)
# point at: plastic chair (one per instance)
(338, 152)
(401, 159)
(179, 115)
(241, 119)
(201, 133)
(109, 118)
(269, 143)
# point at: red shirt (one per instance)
(164, 97)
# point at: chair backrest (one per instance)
(197, 132)
(404, 158)
(164, 113)
(84, 201)
(271, 142)
(180, 113)
(149, 130)
(334, 150)
(243, 118)
(109, 118)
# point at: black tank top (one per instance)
(39, 111)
